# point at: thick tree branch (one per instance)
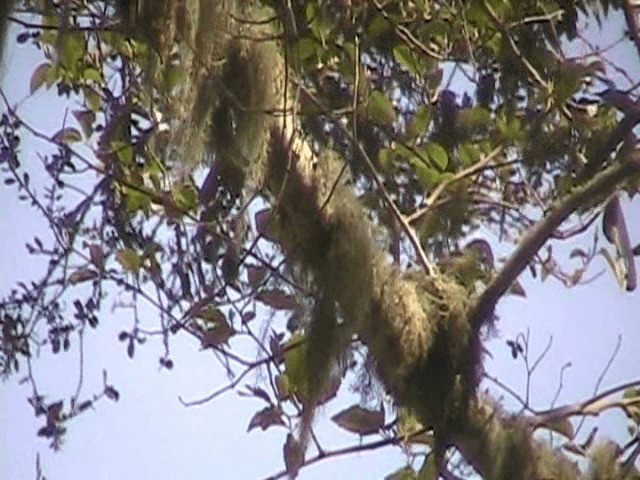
(582, 196)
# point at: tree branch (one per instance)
(632, 16)
(601, 184)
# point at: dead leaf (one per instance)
(96, 255)
(263, 227)
(293, 456)
(83, 275)
(255, 275)
(218, 334)
(265, 418)
(278, 300)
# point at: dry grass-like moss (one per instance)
(419, 337)
(414, 326)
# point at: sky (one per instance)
(149, 434)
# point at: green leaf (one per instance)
(211, 316)
(92, 99)
(405, 473)
(428, 177)
(67, 135)
(186, 197)
(124, 152)
(438, 155)
(137, 200)
(381, 109)
(469, 154)
(307, 48)
(429, 469)
(474, 118)
(378, 26)
(295, 364)
(385, 158)
(129, 260)
(403, 55)
(92, 74)
(311, 11)
(71, 51)
(419, 123)
(174, 76)
(283, 388)
(360, 420)
(510, 129)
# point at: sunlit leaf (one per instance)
(129, 259)
(469, 154)
(295, 364)
(67, 135)
(282, 387)
(357, 419)
(71, 50)
(92, 74)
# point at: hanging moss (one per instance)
(245, 105)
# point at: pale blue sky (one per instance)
(148, 434)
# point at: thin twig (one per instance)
(467, 172)
(347, 451)
(612, 357)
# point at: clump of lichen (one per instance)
(213, 70)
(415, 326)
(419, 335)
(502, 447)
(244, 106)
